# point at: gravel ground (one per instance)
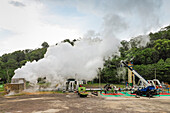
(72, 103)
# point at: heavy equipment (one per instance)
(82, 91)
(149, 90)
(155, 82)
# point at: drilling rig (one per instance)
(149, 90)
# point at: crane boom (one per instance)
(139, 76)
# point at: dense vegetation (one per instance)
(11, 61)
(152, 59)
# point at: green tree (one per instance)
(163, 46)
(45, 45)
(68, 41)
(18, 56)
(146, 56)
(124, 48)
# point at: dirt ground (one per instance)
(72, 103)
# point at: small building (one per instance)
(17, 85)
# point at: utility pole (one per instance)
(99, 77)
(99, 81)
(155, 73)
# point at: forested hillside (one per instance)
(152, 59)
(11, 61)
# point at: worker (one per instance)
(126, 83)
(119, 89)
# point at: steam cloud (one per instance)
(80, 61)
(65, 61)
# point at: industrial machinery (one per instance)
(110, 88)
(155, 83)
(82, 92)
(149, 90)
(71, 85)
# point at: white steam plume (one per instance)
(140, 41)
(65, 61)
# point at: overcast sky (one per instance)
(26, 24)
